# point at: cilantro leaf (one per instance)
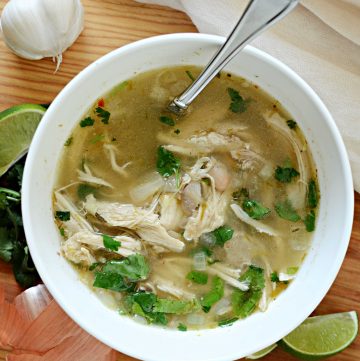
(274, 277)
(310, 221)
(255, 209)
(286, 211)
(188, 73)
(84, 190)
(6, 244)
(285, 174)
(238, 104)
(312, 196)
(111, 281)
(167, 120)
(177, 307)
(110, 243)
(103, 114)
(87, 122)
(245, 302)
(63, 216)
(227, 322)
(134, 267)
(93, 266)
(198, 277)
(291, 124)
(182, 327)
(214, 295)
(167, 164)
(222, 235)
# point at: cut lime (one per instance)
(17, 127)
(262, 352)
(322, 336)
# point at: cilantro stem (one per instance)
(10, 192)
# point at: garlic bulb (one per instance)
(35, 29)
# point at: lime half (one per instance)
(322, 336)
(17, 127)
(262, 352)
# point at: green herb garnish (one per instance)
(167, 164)
(63, 216)
(285, 174)
(312, 196)
(110, 243)
(182, 327)
(198, 277)
(238, 104)
(274, 277)
(93, 266)
(214, 295)
(68, 141)
(167, 120)
(62, 232)
(292, 270)
(255, 209)
(291, 124)
(310, 221)
(245, 302)
(103, 114)
(111, 281)
(177, 307)
(222, 235)
(188, 73)
(227, 322)
(286, 211)
(87, 122)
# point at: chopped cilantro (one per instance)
(286, 211)
(134, 267)
(87, 122)
(110, 243)
(291, 124)
(84, 190)
(274, 277)
(188, 73)
(292, 270)
(285, 174)
(227, 322)
(312, 197)
(167, 164)
(245, 302)
(167, 120)
(62, 232)
(63, 216)
(238, 104)
(103, 114)
(240, 194)
(177, 307)
(255, 209)
(177, 131)
(111, 281)
(93, 266)
(182, 327)
(310, 221)
(214, 295)
(198, 277)
(68, 141)
(97, 138)
(222, 235)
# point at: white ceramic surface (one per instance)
(151, 342)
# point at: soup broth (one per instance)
(189, 222)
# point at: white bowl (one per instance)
(330, 239)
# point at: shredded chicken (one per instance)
(111, 152)
(243, 286)
(259, 226)
(87, 177)
(171, 214)
(247, 158)
(143, 221)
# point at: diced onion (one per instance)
(200, 261)
(207, 239)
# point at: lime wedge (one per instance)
(322, 336)
(17, 127)
(262, 352)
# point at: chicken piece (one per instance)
(259, 226)
(171, 213)
(247, 158)
(221, 176)
(143, 221)
(79, 246)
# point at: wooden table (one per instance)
(110, 24)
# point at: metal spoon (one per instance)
(257, 17)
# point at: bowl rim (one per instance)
(209, 39)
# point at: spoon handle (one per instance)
(257, 17)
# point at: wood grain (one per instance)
(109, 25)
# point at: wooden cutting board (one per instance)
(110, 24)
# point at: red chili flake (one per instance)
(101, 103)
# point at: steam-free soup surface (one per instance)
(192, 222)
